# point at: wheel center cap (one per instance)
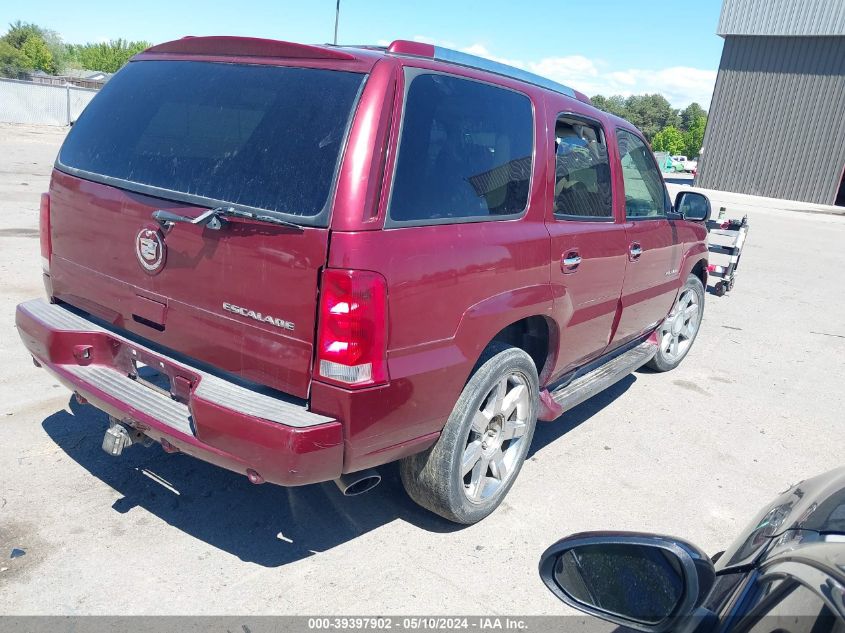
(677, 324)
(491, 438)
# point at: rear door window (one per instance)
(465, 152)
(264, 137)
(582, 171)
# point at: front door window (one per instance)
(645, 194)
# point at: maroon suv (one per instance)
(302, 262)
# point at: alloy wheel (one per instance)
(494, 440)
(680, 327)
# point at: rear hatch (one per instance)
(185, 136)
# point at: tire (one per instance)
(470, 469)
(677, 333)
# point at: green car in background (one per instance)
(666, 163)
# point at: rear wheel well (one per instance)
(700, 271)
(531, 335)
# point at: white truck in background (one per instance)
(685, 163)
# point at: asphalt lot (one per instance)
(758, 404)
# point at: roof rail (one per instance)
(421, 49)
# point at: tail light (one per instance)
(44, 231)
(352, 332)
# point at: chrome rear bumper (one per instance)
(206, 415)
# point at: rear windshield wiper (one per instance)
(212, 218)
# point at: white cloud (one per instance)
(681, 85)
(575, 66)
(481, 51)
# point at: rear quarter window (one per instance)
(465, 152)
(264, 137)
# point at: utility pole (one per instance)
(336, 18)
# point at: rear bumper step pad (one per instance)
(217, 420)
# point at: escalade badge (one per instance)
(252, 314)
(150, 250)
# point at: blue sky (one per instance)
(610, 46)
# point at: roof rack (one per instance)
(421, 49)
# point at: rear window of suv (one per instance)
(263, 137)
(465, 152)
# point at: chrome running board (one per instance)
(584, 387)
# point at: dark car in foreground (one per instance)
(785, 573)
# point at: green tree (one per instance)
(694, 137)
(651, 113)
(690, 115)
(614, 104)
(106, 57)
(38, 49)
(669, 139)
(57, 49)
(39, 56)
(19, 32)
(12, 61)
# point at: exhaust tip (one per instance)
(254, 477)
(355, 484)
(168, 447)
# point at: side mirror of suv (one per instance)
(643, 581)
(692, 206)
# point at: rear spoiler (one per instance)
(247, 47)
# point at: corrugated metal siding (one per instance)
(777, 119)
(782, 17)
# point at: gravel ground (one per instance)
(756, 406)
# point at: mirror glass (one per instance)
(693, 206)
(635, 582)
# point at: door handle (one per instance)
(569, 263)
(634, 251)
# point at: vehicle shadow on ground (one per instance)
(268, 525)
(548, 432)
(711, 290)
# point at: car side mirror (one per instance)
(692, 206)
(643, 581)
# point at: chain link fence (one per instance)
(27, 102)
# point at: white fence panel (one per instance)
(27, 102)
(79, 98)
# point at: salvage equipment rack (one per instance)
(736, 231)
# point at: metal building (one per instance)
(777, 119)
